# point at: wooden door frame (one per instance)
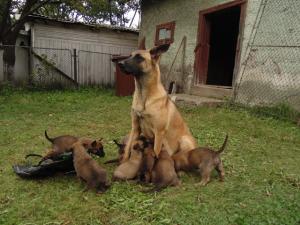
(200, 66)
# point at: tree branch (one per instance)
(16, 27)
(5, 17)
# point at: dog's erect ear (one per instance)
(158, 50)
(94, 144)
(85, 145)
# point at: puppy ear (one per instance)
(158, 50)
(94, 144)
(85, 145)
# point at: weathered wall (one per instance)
(186, 15)
(268, 74)
(93, 68)
(271, 74)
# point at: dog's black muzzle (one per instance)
(124, 68)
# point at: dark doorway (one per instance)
(223, 40)
(217, 44)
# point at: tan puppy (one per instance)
(89, 170)
(129, 169)
(153, 113)
(63, 144)
(163, 173)
(202, 158)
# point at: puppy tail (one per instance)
(29, 155)
(223, 146)
(112, 161)
(47, 137)
(117, 143)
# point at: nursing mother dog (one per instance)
(153, 114)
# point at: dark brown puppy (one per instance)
(163, 173)
(63, 144)
(203, 158)
(148, 160)
(121, 149)
(89, 170)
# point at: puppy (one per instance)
(148, 160)
(63, 144)
(121, 149)
(88, 170)
(129, 169)
(203, 158)
(164, 174)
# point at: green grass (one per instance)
(262, 163)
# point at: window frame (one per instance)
(168, 26)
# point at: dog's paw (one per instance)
(201, 183)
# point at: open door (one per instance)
(203, 47)
(218, 39)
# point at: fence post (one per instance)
(75, 65)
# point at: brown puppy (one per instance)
(121, 149)
(145, 173)
(63, 144)
(153, 114)
(202, 158)
(130, 168)
(164, 174)
(89, 170)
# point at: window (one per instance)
(165, 33)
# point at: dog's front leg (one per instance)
(158, 141)
(135, 132)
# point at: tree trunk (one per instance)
(9, 58)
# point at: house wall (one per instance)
(264, 74)
(186, 15)
(271, 75)
(94, 49)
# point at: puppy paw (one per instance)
(202, 183)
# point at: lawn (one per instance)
(262, 164)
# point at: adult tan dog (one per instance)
(153, 114)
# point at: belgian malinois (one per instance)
(88, 170)
(153, 113)
(163, 173)
(63, 144)
(130, 169)
(148, 161)
(203, 159)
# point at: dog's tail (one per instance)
(47, 137)
(117, 143)
(223, 146)
(112, 161)
(33, 154)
